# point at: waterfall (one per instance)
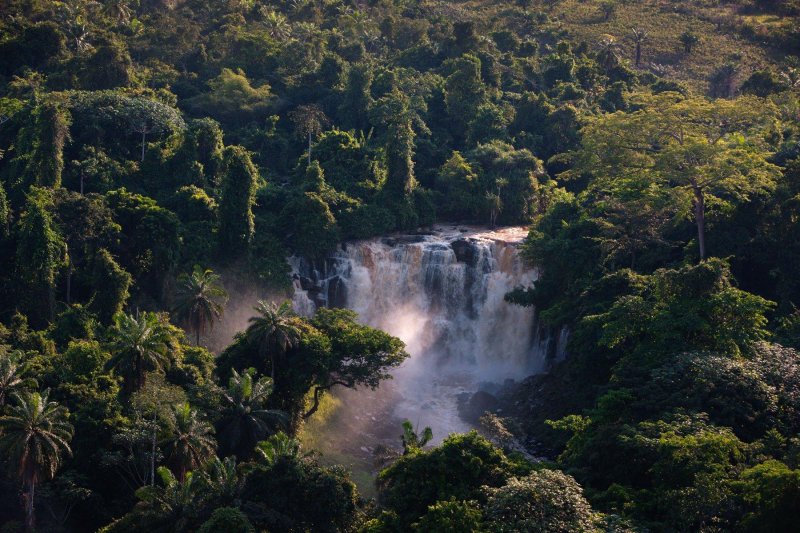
(442, 293)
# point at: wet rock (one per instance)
(477, 405)
(410, 239)
(337, 292)
(464, 250)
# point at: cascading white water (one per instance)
(442, 293)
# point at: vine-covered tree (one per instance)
(237, 196)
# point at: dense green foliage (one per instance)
(163, 157)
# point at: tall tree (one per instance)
(41, 251)
(309, 121)
(237, 196)
(272, 331)
(36, 434)
(245, 420)
(693, 145)
(139, 343)
(52, 132)
(640, 36)
(395, 113)
(190, 443)
(201, 300)
(464, 92)
(111, 284)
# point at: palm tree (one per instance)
(245, 420)
(608, 52)
(139, 343)
(273, 331)
(222, 479)
(191, 443)
(201, 300)
(413, 441)
(36, 433)
(639, 37)
(10, 379)
(175, 504)
(278, 445)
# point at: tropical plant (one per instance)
(35, 435)
(139, 343)
(201, 300)
(413, 441)
(639, 38)
(272, 330)
(191, 443)
(244, 419)
(278, 445)
(10, 376)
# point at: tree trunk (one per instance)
(309, 148)
(30, 517)
(153, 453)
(700, 220)
(51, 301)
(143, 138)
(638, 54)
(69, 282)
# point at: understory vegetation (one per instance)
(160, 160)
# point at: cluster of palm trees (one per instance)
(35, 432)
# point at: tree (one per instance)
(237, 196)
(360, 355)
(459, 468)
(704, 148)
(227, 520)
(309, 121)
(689, 39)
(201, 300)
(464, 92)
(10, 375)
(395, 112)
(608, 8)
(111, 283)
(411, 440)
(273, 331)
(147, 117)
(191, 443)
(35, 435)
(244, 419)
(640, 36)
(139, 343)
(52, 123)
(450, 516)
(41, 250)
(545, 500)
(356, 99)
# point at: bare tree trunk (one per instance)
(30, 517)
(144, 134)
(638, 54)
(700, 220)
(153, 453)
(69, 283)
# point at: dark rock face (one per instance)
(465, 251)
(477, 405)
(337, 292)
